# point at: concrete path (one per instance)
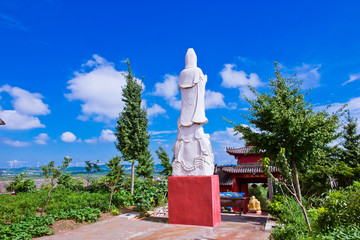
(232, 227)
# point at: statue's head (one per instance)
(190, 59)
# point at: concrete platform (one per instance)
(231, 227)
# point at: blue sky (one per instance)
(61, 66)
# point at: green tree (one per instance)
(165, 161)
(131, 130)
(91, 168)
(286, 126)
(50, 171)
(351, 154)
(115, 175)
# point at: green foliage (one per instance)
(33, 226)
(131, 130)
(92, 168)
(165, 161)
(21, 184)
(149, 194)
(341, 208)
(67, 181)
(291, 221)
(54, 174)
(87, 214)
(351, 155)
(117, 167)
(283, 118)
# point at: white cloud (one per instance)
(16, 143)
(352, 77)
(42, 138)
(152, 133)
(91, 140)
(68, 137)
(107, 136)
(353, 107)
(234, 79)
(167, 89)
(309, 74)
(100, 90)
(239, 79)
(155, 110)
(26, 106)
(214, 100)
(16, 120)
(220, 140)
(25, 102)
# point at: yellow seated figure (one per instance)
(254, 204)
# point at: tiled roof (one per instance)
(243, 150)
(252, 168)
(224, 179)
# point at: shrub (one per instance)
(341, 208)
(21, 184)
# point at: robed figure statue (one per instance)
(192, 149)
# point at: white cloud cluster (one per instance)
(68, 137)
(155, 110)
(100, 90)
(309, 75)
(26, 107)
(214, 100)
(352, 77)
(16, 143)
(106, 135)
(168, 89)
(232, 78)
(220, 140)
(42, 138)
(353, 105)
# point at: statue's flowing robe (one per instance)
(192, 86)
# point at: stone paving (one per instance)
(232, 227)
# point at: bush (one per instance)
(67, 181)
(341, 208)
(292, 223)
(20, 184)
(34, 226)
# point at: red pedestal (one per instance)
(194, 200)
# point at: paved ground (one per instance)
(232, 227)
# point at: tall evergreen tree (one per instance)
(351, 154)
(131, 130)
(165, 161)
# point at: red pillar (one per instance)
(244, 189)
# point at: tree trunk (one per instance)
(297, 183)
(47, 200)
(132, 177)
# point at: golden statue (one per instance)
(254, 205)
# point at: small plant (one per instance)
(54, 174)
(115, 212)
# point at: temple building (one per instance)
(247, 171)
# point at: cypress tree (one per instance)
(131, 130)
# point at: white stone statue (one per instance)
(192, 149)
